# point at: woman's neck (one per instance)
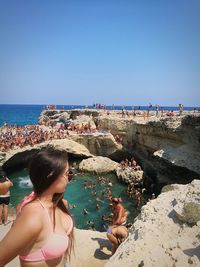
(46, 200)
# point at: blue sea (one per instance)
(29, 114)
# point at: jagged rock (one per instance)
(167, 188)
(128, 174)
(99, 144)
(98, 165)
(83, 120)
(89, 112)
(167, 146)
(188, 213)
(16, 156)
(183, 156)
(64, 117)
(157, 238)
(53, 116)
(43, 120)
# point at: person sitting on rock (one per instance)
(117, 234)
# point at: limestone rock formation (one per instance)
(167, 147)
(98, 165)
(99, 144)
(83, 120)
(18, 155)
(158, 237)
(128, 174)
(53, 116)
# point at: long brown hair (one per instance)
(44, 168)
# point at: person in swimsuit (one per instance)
(119, 219)
(43, 230)
(120, 214)
(117, 235)
(5, 185)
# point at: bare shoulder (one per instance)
(23, 232)
(30, 216)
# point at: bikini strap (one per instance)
(43, 206)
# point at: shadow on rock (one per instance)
(193, 251)
(103, 244)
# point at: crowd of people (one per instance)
(15, 136)
(80, 129)
(29, 135)
(150, 111)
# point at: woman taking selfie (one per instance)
(43, 230)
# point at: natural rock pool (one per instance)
(82, 198)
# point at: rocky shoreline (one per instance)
(167, 149)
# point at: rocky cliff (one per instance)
(166, 233)
(19, 157)
(167, 148)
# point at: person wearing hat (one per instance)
(5, 185)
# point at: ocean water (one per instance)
(29, 114)
(23, 114)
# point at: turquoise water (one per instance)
(82, 198)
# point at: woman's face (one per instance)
(61, 182)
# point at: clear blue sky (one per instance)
(100, 51)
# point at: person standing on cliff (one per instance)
(5, 185)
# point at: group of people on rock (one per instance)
(50, 106)
(135, 191)
(21, 136)
(83, 128)
(130, 163)
(156, 111)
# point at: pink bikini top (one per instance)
(55, 245)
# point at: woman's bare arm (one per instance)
(23, 232)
